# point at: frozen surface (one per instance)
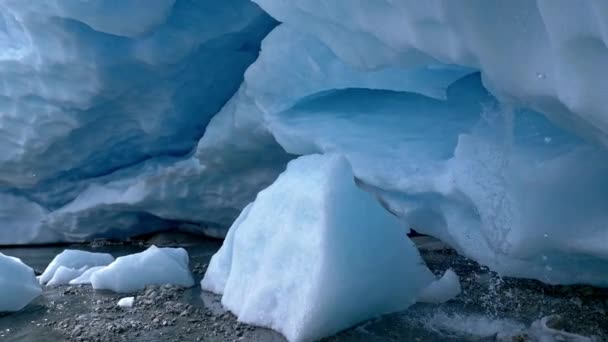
(441, 290)
(154, 266)
(313, 255)
(18, 284)
(94, 91)
(543, 54)
(484, 125)
(441, 152)
(73, 263)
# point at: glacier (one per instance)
(499, 182)
(311, 135)
(93, 90)
(483, 125)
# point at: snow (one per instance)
(71, 264)
(18, 284)
(85, 277)
(126, 302)
(441, 290)
(314, 254)
(154, 266)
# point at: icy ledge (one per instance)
(314, 254)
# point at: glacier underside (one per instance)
(484, 125)
(95, 91)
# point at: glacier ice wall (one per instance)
(498, 181)
(484, 125)
(543, 54)
(94, 90)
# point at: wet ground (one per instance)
(489, 309)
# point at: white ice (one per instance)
(314, 254)
(154, 266)
(74, 263)
(126, 302)
(18, 284)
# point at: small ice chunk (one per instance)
(441, 290)
(75, 259)
(18, 284)
(314, 254)
(64, 275)
(126, 302)
(85, 278)
(154, 266)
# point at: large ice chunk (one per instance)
(74, 263)
(18, 284)
(314, 255)
(154, 266)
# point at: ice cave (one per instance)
(304, 170)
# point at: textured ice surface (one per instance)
(500, 183)
(18, 284)
(154, 266)
(314, 254)
(73, 263)
(441, 290)
(99, 90)
(543, 54)
(484, 125)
